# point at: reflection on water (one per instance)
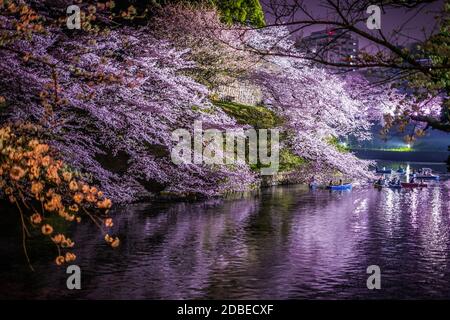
(287, 242)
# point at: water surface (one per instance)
(287, 242)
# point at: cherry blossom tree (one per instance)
(213, 45)
(112, 99)
(316, 108)
(395, 107)
(291, 85)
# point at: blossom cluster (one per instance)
(42, 186)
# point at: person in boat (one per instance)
(340, 182)
(394, 182)
(413, 175)
(312, 182)
(380, 182)
(331, 183)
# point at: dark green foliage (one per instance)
(290, 161)
(258, 117)
(248, 12)
(336, 143)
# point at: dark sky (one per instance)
(416, 22)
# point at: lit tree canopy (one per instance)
(110, 98)
(424, 71)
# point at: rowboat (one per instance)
(425, 174)
(313, 186)
(390, 186)
(347, 186)
(414, 185)
(426, 177)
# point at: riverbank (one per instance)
(278, 179)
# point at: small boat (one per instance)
(401, 171)
(425, 174)
(347, 186)
(414, 185)
(389, 186)
(313, 186)
(425, 177)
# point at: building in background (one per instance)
(331, 45)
